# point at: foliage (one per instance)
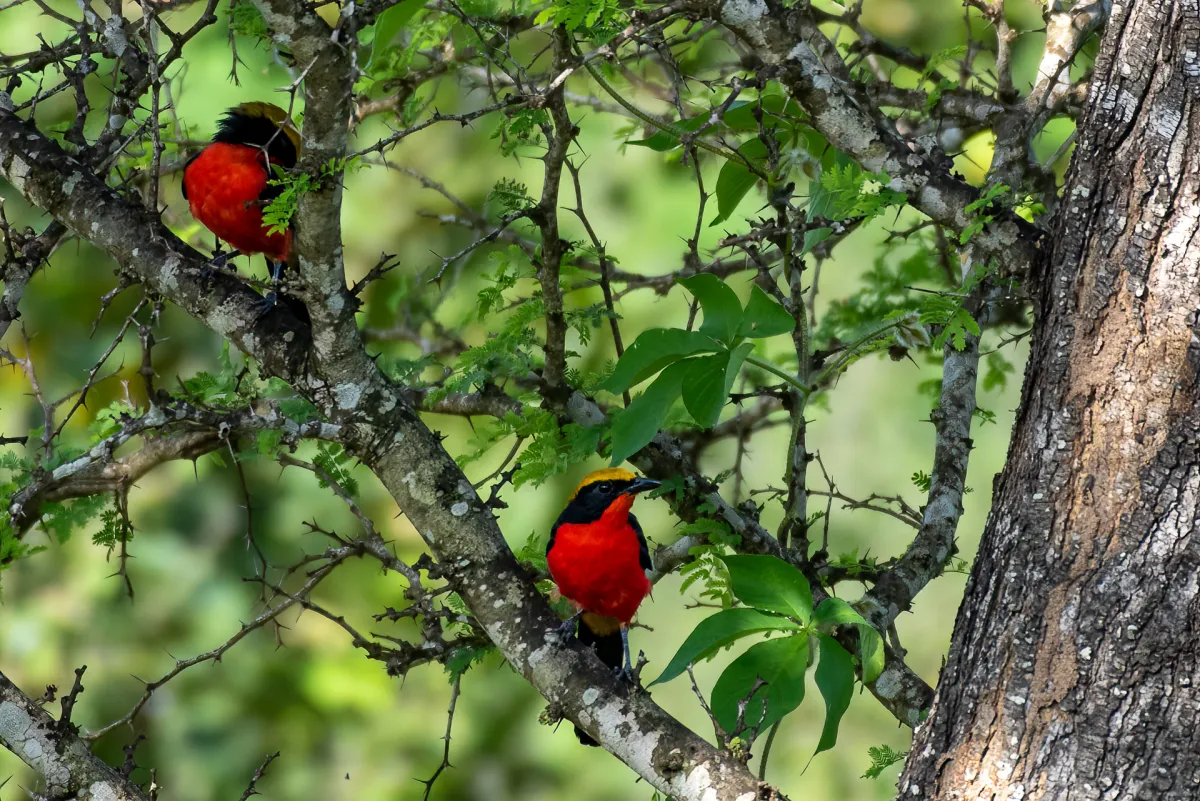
(690, 102)
(767, 681)
(510, 195)
(388, 25)
(597, 20)
(246, 20)
(882, 758)
(848, 191)
(978, 210)
(519, 129)
(699, 366)
(287, 187)
(337, 465)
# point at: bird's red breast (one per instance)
(597, 566)
(223, 187)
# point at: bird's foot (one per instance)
(566, 629)
(219, 262)
(624, 674)
(269, 301)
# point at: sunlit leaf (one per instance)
(767, 582)
(389, 24)
(835, 680)
(652, 351)
(719, 630)
(721, 307)
(834, 612)
(735, 180)
(636, 425)
(764, 317)
(781, 663)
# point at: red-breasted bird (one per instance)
(226, 183)
(598, 557)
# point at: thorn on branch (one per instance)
(129, 765)
(64, 726)
(387, 262)
(252, 789)
(446, 748)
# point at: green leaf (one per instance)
(246, 20)
(882, 758)
(835, 612)
(666, 140)
(824, 200)
(835, 680)
(764, 317)
(717, 631)
(737, 357)
(956, 330)
(870, 653)
(652, 351)
(735, 180)
(704, 390)
(739, 116)
(269, 442)
(769, 583)
(781, 663)
(708, 380)
(389, 24)
(635, 425)
(722, 309)
(813, 238)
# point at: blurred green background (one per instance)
(344, 728)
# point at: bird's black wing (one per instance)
(554, 531)
(643, 546)
(183, 183)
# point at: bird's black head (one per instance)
(261, 125)
(599, 490)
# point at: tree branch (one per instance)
(192, 432)
(58, 755)
(385, 432)
(803, 59)
(926, 556)
(559, 135)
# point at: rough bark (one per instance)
(56, 753)
(1073, 671)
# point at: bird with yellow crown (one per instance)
(598, 557)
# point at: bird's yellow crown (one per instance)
(607, 474)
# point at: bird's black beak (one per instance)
(641, 485)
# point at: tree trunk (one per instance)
(1073, 672)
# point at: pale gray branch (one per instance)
(57, 754)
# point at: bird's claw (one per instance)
(268, 302)
(219, 262)
(624, 674)
(566, 629)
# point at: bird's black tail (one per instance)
(605, 639)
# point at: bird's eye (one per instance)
(605, 488)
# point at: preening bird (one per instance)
(598, 557)
(226, 184)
